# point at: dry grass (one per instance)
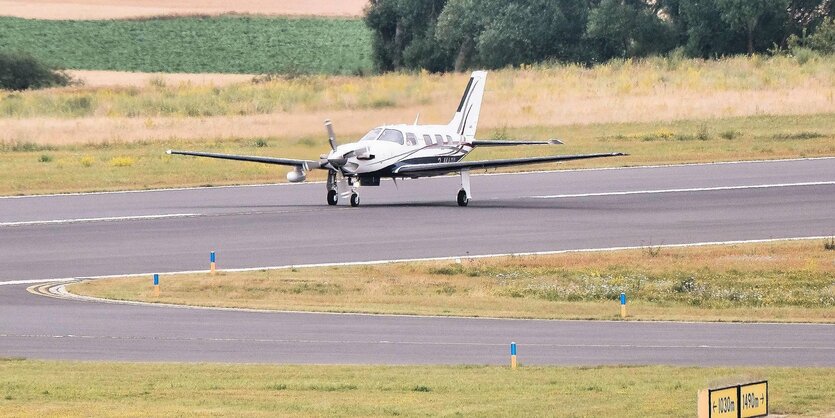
(124, 9)
(619, 92)
(53, 388)
(786, 281)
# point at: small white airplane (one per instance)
(406, 151)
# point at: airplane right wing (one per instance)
(434, 169)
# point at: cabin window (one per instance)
(392, 135)
(439, 139)
(372, 134)
(427, 139)
(450, 140)
(410, 139)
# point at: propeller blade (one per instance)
(331, 135)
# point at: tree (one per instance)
(404, 34)
(746, 15)
(629, 29)
(495, 33)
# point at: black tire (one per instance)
(462, 198)
(355, 200)
(333, 197)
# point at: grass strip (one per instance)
(30, 168)
(63, 388)
(772, 282)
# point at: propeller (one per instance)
(331, 135)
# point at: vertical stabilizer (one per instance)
(465, 120)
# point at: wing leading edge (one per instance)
(433, 169)
(305, 164)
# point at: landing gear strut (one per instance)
(333, 189)
(464, 194)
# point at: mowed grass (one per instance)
(225, 44)
(780, 281)
(31, 168)
(52, 388)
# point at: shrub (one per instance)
(87, 161)
(22, 71)
(121, 161)
(45, 158)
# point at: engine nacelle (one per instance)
(296, 176)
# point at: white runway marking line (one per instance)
(105, 219)
(394, 261)
(695, 189)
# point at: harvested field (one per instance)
(123, 9)
(91, 78)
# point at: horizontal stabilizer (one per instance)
(496, 143)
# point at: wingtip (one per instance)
(555, 141)
(168, 152)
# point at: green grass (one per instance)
(30, 168)
(52, 388)
(780, 281)
(226, 44)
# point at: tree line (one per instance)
(444, 35)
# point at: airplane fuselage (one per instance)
(385, 148)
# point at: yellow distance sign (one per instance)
(753, 400)
(723, 403)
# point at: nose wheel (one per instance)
(463, 200)
(355, 200)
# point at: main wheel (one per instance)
(333, 197)
(462, 198)
(355, 200)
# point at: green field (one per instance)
(778, 281)
(226, 44)
(52, 388)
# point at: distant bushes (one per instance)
(21, 71)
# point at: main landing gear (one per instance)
(464, 195)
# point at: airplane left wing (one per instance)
(434, 169)
(304, 164)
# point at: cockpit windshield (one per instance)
(372, 135)
(392, 135)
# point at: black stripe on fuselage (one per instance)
(389, 171)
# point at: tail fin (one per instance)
(465, 120)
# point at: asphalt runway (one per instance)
(121, 233)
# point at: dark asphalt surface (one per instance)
(281, 225)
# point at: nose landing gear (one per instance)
(334, 186)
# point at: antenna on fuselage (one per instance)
(417, 118)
